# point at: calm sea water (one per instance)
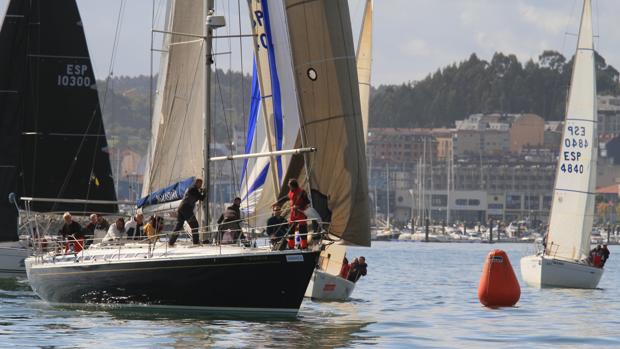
(415, 295)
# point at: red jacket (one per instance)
(298, 205)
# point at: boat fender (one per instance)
(498, 286)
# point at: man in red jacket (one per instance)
(299, 201)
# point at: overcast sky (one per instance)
(412, 38)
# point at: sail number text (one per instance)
(572, 156)
(259, 20)
(74, 76)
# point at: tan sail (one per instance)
(177, 152)
(327, 86)
(364, 62)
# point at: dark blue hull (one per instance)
(262, 282)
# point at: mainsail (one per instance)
(364, 62)
(572, 212)
(52, 139)
(157, 116)
(177, 147)
(327, 87)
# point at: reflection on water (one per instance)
(415, 294)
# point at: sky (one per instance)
(412, 38)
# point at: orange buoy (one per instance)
(499, 286)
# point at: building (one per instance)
(526, 130)
(608, 115)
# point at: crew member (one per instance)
(299, 201)
(185, 212)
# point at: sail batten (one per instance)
(572, 213)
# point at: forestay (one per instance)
(327, 86)
(574, 194)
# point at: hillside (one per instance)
(451, 93)
(502, 85)
(127, 115)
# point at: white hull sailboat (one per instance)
(544, 271)
(326, 284)
(564, 262)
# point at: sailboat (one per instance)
(564, 261)
(213, 276)
(326, 283)
(52, 139)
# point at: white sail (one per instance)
(278, 100)
(177, 154)
(574, 193)
(364, 62)
(157, 116)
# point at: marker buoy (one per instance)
(499, 286)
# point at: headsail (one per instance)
(52, 139)
(177, 153)
(572, 212)
(364, 62)
(273, 95)
(327, 86)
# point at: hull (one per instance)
(327, 287)
(539, 271)
(269, 281)
(12, 256)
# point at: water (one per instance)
(415, 295)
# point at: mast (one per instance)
(208, 60)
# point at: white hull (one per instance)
(539, 271)
(327, 287)
(12, 256)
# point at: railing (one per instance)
(48, 248)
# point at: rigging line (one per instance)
(119, 25)
(92, 119)
(243, 111)
(226, 122)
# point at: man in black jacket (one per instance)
(230, 220)
(185, 212)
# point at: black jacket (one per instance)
(74, 228)
(193, 194)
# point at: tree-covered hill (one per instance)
(502, 85)
(451, 93)
(127, 115)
